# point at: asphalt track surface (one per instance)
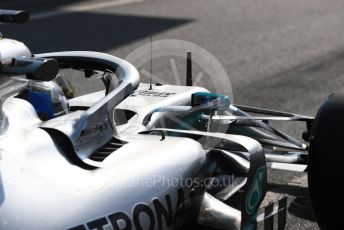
(284, 55)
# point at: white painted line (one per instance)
(46, 15)
(82, 8)
(300, 181)
(98, 5)
(285, 166)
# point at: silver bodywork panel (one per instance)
(36, 177)
(154, 179)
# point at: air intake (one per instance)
(105, 151)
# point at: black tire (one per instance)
(326, 164)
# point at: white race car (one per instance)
(146, 156)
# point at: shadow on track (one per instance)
(301, 206)
(87, 31)
(36, 5)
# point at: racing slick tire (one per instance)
(326, 163)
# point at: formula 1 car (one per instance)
(144, 156)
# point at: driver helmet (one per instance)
(47, 98)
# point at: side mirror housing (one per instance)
(14, 16)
